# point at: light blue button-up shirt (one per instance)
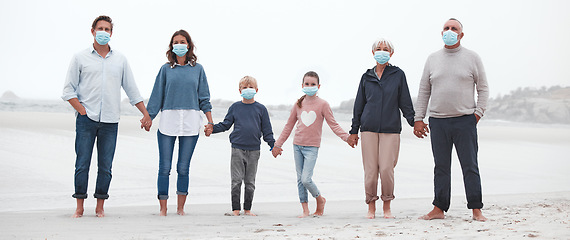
(96, 82)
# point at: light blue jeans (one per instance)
(305, 160)
(186, 145)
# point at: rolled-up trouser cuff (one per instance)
(181, 193)
(478, 205)
(101, 196)
(387, 198)
(80, 196)
(440, 206)
(373, 199)
(162, 197)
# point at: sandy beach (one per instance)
(511, 217)
(524, 169)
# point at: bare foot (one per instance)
(163, 212)
(180, 205)
(305, 207)
(163, 207)
(388, 214)
(78, 213)
(436, 213)
(180, 212)
(249, 213)
(235, 212)
(320, 206)
(478, 215)
(100, 213)
(305, 214)
(371, 210)
(79, 209)
(387, 210)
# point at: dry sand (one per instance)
(524, 171)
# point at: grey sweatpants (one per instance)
(243, 168)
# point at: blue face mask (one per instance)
(311, 91)
(180, 49)
(102, 37)
(248, 93)
(382, 56)
(449, 38)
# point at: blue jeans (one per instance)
(460, 132)
(86, 132)
(186, 145)
(305, 160)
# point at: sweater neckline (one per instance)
(311, 98)
(453, 50)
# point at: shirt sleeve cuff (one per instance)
(66, 97)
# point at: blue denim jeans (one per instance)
(460, 132)
(186, 145)
(86, 132)
(305, 160)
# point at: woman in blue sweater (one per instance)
(180, 92)
(382, 94)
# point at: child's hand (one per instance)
(208, 129)
(352, 140)
(276, 151)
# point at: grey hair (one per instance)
(460, 24)
(385, 41)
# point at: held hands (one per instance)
(421, 129)
(208, 129)
(352, 140)
(146, 123)
(276, 151)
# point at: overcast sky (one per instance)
(521, 43)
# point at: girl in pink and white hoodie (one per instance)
(308, 113)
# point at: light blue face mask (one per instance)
(449, 38)
(180, 49)
(382, 57)
(311, 91)
(102, 37)
(248, 93)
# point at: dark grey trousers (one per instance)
(460, 132)
(243, 168)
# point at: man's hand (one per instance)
(146, 123)
(421, 129)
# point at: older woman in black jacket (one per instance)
(382, 94)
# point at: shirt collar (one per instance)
(108, 54)
(176, 64)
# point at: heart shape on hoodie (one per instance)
(308, 118)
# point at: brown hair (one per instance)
(308, 74)
(190, 56)
(102, 18)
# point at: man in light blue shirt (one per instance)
(93, 88)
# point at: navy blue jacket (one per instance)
(379, 101)
(251, 122)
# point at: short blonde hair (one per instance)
(247, 80)
(385, 41)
